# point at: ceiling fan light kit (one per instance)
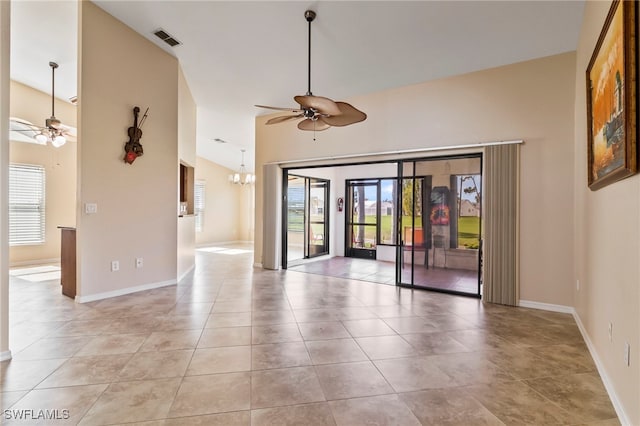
(54, 132)
(317, 113)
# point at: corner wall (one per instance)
(5, 36)
(137, 204)
(532, 100)
(607, 249)
(187, 119)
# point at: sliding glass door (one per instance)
(439, 224)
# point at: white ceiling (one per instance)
(236, 53)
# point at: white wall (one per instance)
(607, 248)
(137, 203)
(532, 100)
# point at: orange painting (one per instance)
(607, 82)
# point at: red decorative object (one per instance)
(133, 148)
(130, 157)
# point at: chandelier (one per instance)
(241, 177)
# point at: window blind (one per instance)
(501, 255)
(199, 204)
(26, 204)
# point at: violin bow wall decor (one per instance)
(133, 148)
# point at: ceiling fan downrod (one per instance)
(309, 15)
(53, 122)
(53, 66)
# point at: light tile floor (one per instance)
(236, 345)
(378, 271)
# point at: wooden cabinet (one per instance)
(68, 261)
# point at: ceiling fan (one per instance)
(317, 112)
(53, 132)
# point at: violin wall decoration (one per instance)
(133, 148)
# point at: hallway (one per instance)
(236, 345)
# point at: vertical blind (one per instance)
(501, 247)
(26, 204)
(199, 204)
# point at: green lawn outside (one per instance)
(469, 232)
(468, 228)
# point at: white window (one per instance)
(199, 188)
(26, 204)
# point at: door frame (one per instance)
(306, 222)
(349, 250)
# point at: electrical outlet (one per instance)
(577, 285)
(627, 353)
(610, 331)
(139, 262)
(115, 266)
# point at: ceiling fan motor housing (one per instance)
(310, 15)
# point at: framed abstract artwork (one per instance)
(611, 99)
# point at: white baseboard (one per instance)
(546, 306)
(4, 356)
(36, 262)
(622, 416)
(181, 277)
(257, 265)
(222, 243)
(123, 291)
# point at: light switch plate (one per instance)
(91, 208)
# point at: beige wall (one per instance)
(224, 220)
(60, 171)
(186, 154)
(531, 100)
(137, 203)
(5, 35)
(607, 247)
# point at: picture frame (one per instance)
(612, 152)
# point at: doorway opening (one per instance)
(307, 219)
(411, 223)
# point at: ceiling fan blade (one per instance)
(20, 125)
(350, 115)
(318, 103)
(278, 108)
(283, 118)
(70, 137)
(68, 130)
(313, 125)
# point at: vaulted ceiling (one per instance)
(238, 53)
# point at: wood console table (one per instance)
(68, 261)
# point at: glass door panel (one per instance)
(440, 224)
(318, 241)
(362, 226)
(295, 218)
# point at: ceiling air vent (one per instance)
(166, 37)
